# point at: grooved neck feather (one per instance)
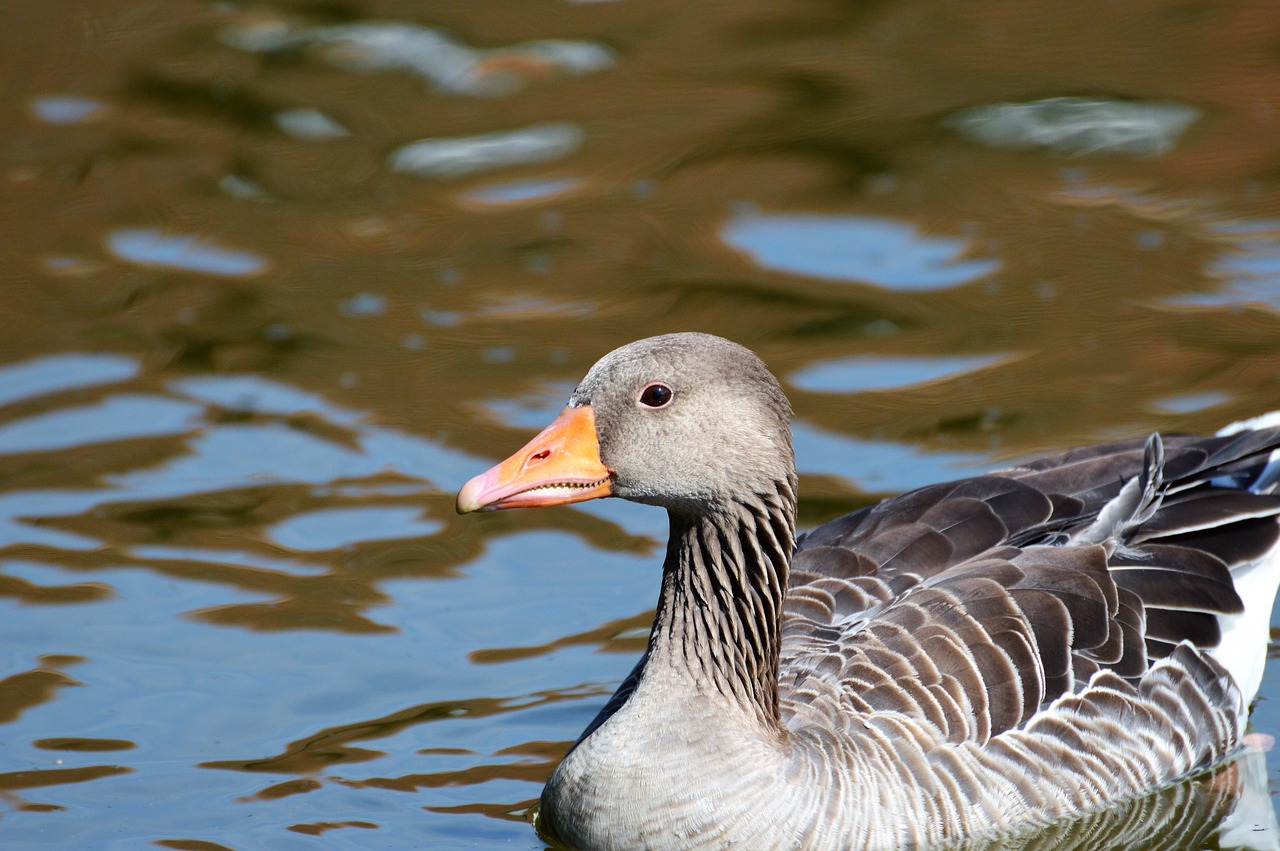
(720, 611)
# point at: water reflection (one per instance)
(154, 248)
(1079, 126)
(335, 528)
(209, 558)
(437, 59)
(310, 125)
(1250, 266)
(1230, 808)
(19, 510)
(856, 248)
(66, 109)
(56, 373)
(520, 192)
(123, 417)
(878, 466)
(1186, 403)
(76, 743)
(464, 155)
(866, 373)
(531, 410)
(13, 583)
(253, 394)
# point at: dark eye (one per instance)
(656, 395)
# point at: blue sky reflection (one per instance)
(863, 373)
(864, 249)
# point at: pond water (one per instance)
(279, 277)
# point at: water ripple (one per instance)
(50, 374)
(864, 373)
(865, 249)
(150, 247)
(335, 528)
(124, 417)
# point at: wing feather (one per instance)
(970, 605)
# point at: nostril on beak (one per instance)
(535, 459)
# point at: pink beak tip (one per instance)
(472, 495)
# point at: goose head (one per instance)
(690, 422)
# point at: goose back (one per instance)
(1058, 632)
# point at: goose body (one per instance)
(968, 658)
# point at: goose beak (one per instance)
(559, 466)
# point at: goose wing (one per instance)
(970, 606)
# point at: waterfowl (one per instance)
(967, 658)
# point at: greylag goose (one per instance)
(965, 659)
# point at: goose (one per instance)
(972, 657)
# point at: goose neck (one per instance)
(720, 612)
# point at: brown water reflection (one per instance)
(246, 361)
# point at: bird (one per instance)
(973, 657)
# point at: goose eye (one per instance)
(656, 395)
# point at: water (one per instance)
(246, 361)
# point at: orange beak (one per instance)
(559, 466)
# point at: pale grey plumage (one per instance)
(971, 657)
